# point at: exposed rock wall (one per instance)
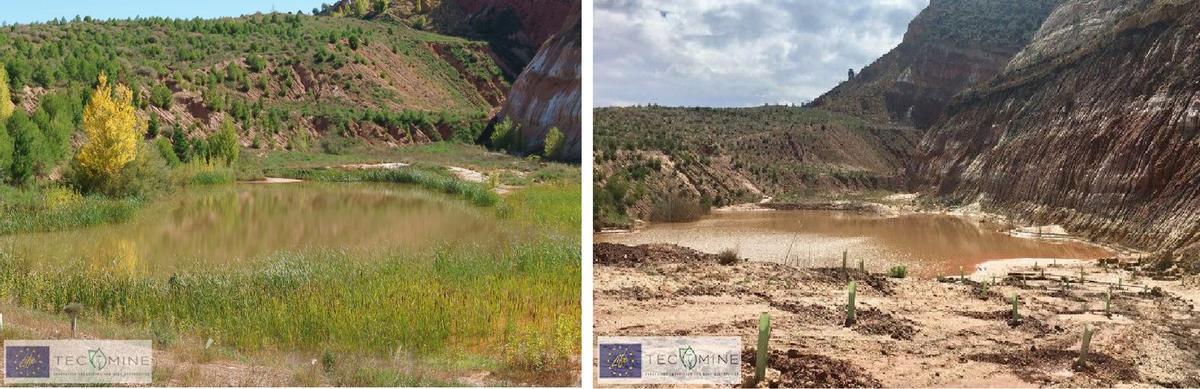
(548, 93)
(1102, 138)
(950, 46)
(1072, 24)
(516, 28)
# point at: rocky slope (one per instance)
(515, 29)
(950, 46)
(1069, 25)
(548, 93)
(1101, 137)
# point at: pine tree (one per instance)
(181, 145)
(28, 148)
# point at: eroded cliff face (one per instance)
(516, 28)
(950, 46)
(1072, 24)
(548, 93)
(1101, 138)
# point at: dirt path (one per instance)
(911, 332)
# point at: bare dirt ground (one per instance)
(911, 332)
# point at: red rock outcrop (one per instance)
(548, 93)
(949, 47)
(1103, 138)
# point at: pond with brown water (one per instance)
(215, 228)
(929, 244)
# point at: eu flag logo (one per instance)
(27, 361)
(620, 360)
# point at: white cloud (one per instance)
(737, 52)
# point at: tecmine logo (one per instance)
(98, 360)
(57, 362)
(689, 358)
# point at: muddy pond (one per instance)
(928, 244)
(220, 227)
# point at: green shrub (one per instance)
(327, 362)
(160, 96)
(167, 151)
(728, 257)
(898, 271)
(504, 135)
(553, 143)
(337, 145)
(146, 176)
(256, 63)
(223, 144)
(676, 208)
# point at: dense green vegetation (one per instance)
(1000, 24)
(781, 151)
(263, 71)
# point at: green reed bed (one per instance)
(445, 302)
(428, 178)
(41, 210)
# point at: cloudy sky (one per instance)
(732, 53)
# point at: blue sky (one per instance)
(736, 53)
(27, 11)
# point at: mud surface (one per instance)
(799, 370)
(910, 332)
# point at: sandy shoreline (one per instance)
(916, 332)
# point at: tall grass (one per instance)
(452, 298)
(202, 173)
(476, 193)
(34, 210)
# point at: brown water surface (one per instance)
(225, 226)
(928, 244)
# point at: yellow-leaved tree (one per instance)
(6, 104)
(112, 128)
